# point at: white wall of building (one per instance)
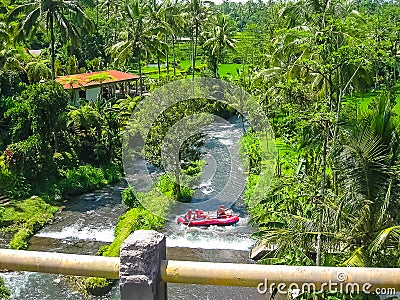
(92, 93)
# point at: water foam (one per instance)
(241, 243)
(213, 237)
(101, 234)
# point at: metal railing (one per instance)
(188, 272)
(144, 271)
(59, 263)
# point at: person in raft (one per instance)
(200, 214)
(189, 215)
(221, 212)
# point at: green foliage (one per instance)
(88, 178)
(36, 123)
(46, 103)
(311, 66)
(27, 216)
(37, 71)
(101, 77)
(134, 219)
(194, 168)
(97, 286)
(250, 150)
(9, 83)
(21, 238)
(112, 172)
(95, 130)
(219, 39)
(12, 185)
(31, 158)
(129, 197)
(166, 185)
(51, 13)
(4, 292)
(65, 160)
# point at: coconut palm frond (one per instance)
(383, 237)
(357, 258)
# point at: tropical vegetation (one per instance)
(326, 74)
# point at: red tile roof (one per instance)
(94, 78)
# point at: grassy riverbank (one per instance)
(24, 217)
(147, 211)
(136, 218)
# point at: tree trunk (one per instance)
(167, 61)
(318, 258)
(166, 55)
(108, 11)
(173, 54)
(339, 103)
(216, 66)
(140, 72)
(53, 54)
(323, 179)
(324, 153)
(195, 49)
(97, 15)
(158, 65)
(177, 186)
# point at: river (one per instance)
(88, 221)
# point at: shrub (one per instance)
(12, 185)
(9, 82)
(82, 179)
(4, 292)
(98, 286)
(31, 158)
(20, 239)
(134, 219)
(29, 215)
(129, 197)
(165, 185)
(65, 160)
(112, 172)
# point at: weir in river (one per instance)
(88, 221)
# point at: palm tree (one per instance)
(363, 218)
(112, 10)
(106, 4)
(52, 13)
(157, 14)
(219, 38)
(140, 37)
(198, 16)
(175, 20)
(368, 162)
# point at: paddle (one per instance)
(191, 218)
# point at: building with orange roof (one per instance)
(105, 84)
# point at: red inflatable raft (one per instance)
(223, 221)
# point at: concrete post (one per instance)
(140, 260)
